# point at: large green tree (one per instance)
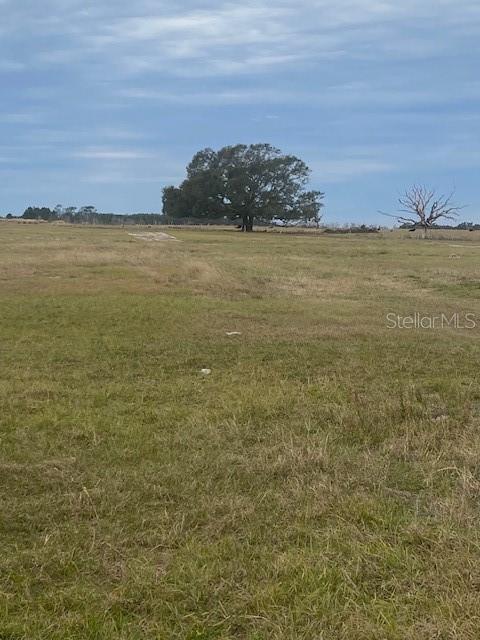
(244, 182)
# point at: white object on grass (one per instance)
(206, 372)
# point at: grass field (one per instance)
(322, 483)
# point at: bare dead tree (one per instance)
(423, 207)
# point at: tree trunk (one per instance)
(247, 223)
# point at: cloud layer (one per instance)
(231, 37)
(370, 92)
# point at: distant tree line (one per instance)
(353, 228)
(89, 215)
(463, 226)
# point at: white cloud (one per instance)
(126, 177)
(11, 66)
(214, 97)
(392, 93)
(342, 169)
(95, 153)
(21, 117)
(229, 38)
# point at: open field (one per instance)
(322, 483)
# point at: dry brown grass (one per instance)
(322, 482)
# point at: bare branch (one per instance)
(424, 207)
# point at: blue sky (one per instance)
(105, 102)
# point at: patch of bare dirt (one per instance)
(157, 236)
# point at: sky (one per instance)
(104, 102)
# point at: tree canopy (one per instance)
(244, 182)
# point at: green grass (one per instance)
(322, 483)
